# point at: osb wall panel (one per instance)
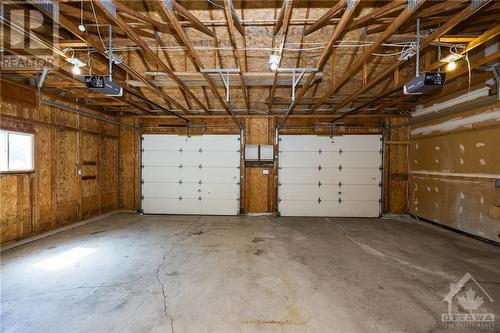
(55, 194)
(396, 168)
(453, 171)
(129, 152)
(259, 189)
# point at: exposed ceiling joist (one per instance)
(169, 14)
(150, 54)
(228, 11)
(325, 18)
(288, 5)
(391, 29)
(451, 23)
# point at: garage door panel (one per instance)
(160, 158)
(329, 192)
(195, 175)
(358, 208)
(329, 176)
(341, 175)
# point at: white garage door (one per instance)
(191, 175)
(318, 177)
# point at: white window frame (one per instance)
(9, 170)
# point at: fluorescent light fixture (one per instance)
(65, 258)
(274, 62)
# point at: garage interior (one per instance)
(250, 166)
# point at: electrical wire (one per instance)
(97, 24)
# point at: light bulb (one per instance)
(451, 66)
(81, 27)
(76, 70)
(274, 67)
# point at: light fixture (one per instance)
(77, 63)
(76, 70)
(452, 59)
(274, 62)
(452, 65)
(81, 27)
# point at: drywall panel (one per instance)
(469, 205)
(454, 168)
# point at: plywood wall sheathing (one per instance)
(55, 194)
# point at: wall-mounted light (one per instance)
(274, 62)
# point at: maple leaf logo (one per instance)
(470, 301)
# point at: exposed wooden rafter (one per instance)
(325, 18)
(167, 10)
(94, 42)
(288, 6)
(451, 23)
(148, 51)
(228, 10)
(391, 29)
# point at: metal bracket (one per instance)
(496, 74)
(42, 77)
(224, 75)
(110, 6)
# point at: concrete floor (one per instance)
(131, 273)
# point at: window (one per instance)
(16, 151)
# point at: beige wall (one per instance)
(454, 161)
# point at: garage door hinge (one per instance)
(142, 181)
(319, 167)
(142, 197)
(142, 166)
(340, 201)
(380, 200)
(200, 182)
(279, 199)
(319, 151)
(180, 181)
(340, 151)
(381, 168)
(279, 184)
(381, 151)
(319, 184)
(180, 166)
(200, 150)
(340, 184)
(180, 150)
(180, 198)
(319, 200)
(200, 166)
(199, 198)
(380, 184)
(142, 150)
(279, 139)
(340, 167)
